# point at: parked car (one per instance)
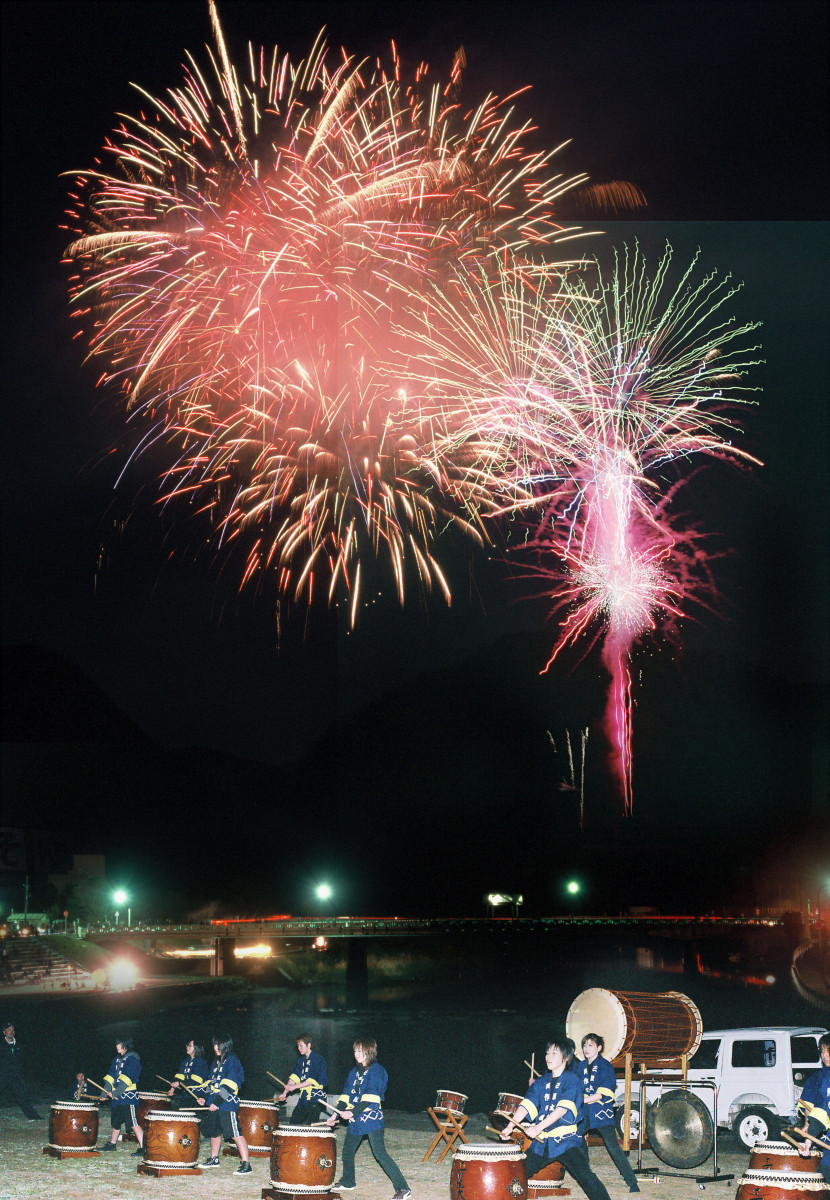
(759, 1075)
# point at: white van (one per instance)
(759, 1074)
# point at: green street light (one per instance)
(323, 891)
(121, 898)
(573, 887)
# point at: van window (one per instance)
(804, 1050)
(706, 1055)
(758, 1052)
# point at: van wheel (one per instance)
(755, 1124)
(633, 1122)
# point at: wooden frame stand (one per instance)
(450, 1126)
(158, 1172)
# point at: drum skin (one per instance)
(488, 1172)
(171, 1139)
(303, 1158)
(652, 1026)
(159, 1101)
(257, 1121)
(781, 1185)
(73, 1126)
(453, 1101)
(781, 1156)
(509, 1102)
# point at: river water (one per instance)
(468, 1027)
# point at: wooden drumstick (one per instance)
(530, 1064)
(324, 1103)
(106, 1091)
(172, 1084)
(523, 1128)
(806, 1136)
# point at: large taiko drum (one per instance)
(73, 1127)
(258, 1120)
(450, 1101)
(508, 1103)
(781, 1185)
(652, 1026)
(547, 1182)
(303, 1159)
(782, 1156)
(488, 1172)
(171, 1141)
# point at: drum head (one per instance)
(599, 1011)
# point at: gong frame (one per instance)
(661, 1081)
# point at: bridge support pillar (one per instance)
(222, 960)
(357, 974)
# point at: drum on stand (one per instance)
(548, 1182)
(73, 1130)
(782, 1156)
(171, 1144)
(303, 1161)
(258, 1119)
(508, 1102)
(652, 1026)
(450, 1101)
(781, 1185)
(488, 1171)
(159, 1101)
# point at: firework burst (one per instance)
(245, 249)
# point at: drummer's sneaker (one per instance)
(211, 1162)
(344, 1187)
(139, 1153)
(109, 1146)
(402, 1194)
(244, 1169)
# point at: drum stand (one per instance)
(157, 1172)
(662, 1080)
(450, 1126)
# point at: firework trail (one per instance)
(586, 403)
(245, 249)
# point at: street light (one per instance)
(323, 891)
(494, 899)
(120, 898)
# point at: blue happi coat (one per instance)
(363, 1096)
(547, 1093)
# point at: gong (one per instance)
(680, 1129)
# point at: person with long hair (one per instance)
(361, 1105)
(599, 1086)
(553, 1105)
(191, 1079)
(221, 1116)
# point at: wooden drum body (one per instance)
(781, 1185)
(258, 1121)
(652, 1026)
(508, 1103)
(782, 1156)
(158, 1101)
(488, 1172)
(171, 1144)
(303, 1159)
(451, 1101)
(73, 1130)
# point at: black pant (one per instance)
(383, 1158)
(14, 1086)
(575, 1162)
(306, 1112)
(608, 1133)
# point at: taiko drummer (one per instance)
(122, 1084)
(191, 1079)
(814, 1105)
(599, 1085)
(360, 1105)
(554, 1105)
(221, 1116)
(309, 1078)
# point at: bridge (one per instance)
(223, 934)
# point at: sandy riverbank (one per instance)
(27, 1174)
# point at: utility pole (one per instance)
(26, 899)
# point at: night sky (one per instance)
(718, 112)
